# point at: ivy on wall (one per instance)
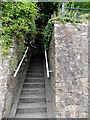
(18, 20)
(49, 28)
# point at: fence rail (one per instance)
(70, 8)
(82, 9)
(76, 16)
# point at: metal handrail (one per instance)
(20, 63)
(23, 59)
(47, 66)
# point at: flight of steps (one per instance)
(32, 101)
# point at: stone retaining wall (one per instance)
(8, 84)
(68, 59)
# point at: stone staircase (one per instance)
(32, 100)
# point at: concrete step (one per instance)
(34, 71)
(32, 115)
(32, 100)
(36, 60)
(33, 80)
(32, 96)
(32, 105)
(33, 89)
(33, 92)
(35, 74)
(32, 110)
(31, 64)
(36, 64)
(33, 85)
(34, 77)
(36, 67)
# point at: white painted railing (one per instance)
(15, 74)
(47, 66)
(20, 63)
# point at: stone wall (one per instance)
(8, 84)
(68, 59)
(52, 63)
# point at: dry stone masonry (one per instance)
(68, 58)
(9, 84)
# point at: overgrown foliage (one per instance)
(19, 18)
(18, 21)
(49, 28)
(48, 33)
(46, 9)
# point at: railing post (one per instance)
(62, 8)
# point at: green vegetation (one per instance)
(24, 21)
(85, 5)
(49, 28)
(18, 21)
(45, 11)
